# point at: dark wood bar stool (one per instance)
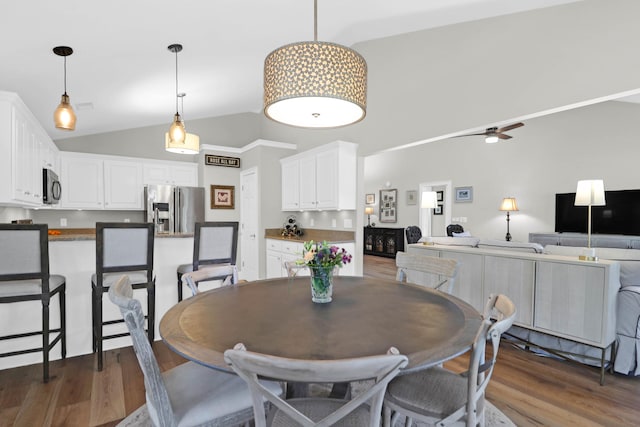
(121, 248)
(24, 276)
(214, 243)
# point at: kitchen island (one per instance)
(72, 253)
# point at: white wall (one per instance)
(546, 156)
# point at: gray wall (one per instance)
(546, 156)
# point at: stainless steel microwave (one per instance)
(51, 188)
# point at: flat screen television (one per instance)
(621, 215)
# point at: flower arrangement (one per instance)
(317, 254)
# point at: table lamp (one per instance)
(590, 192)
(368, 210)
(509, 205)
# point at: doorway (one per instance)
(249, 225)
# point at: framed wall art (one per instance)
(412, 197)
(370, 199)
(438, 210)
(464, 194)
(440, 196)
(388, 205)
(222, 197)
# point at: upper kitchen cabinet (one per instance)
(323, 178)
(97, 182)
(171, 173)
(27, 150)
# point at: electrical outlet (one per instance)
(63, 222)
(311, 222)
(127, 220)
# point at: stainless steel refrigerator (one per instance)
(173, 209)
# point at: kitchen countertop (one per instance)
(333, 236)
(71, 234)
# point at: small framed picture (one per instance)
(222, 197)
(440, 196)
(464, 194)
(437, 210)
(370, 199)
(412, 197)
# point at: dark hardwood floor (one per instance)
(530, 389)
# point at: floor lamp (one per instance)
(509, 205)
(429, 201)
(590, 192)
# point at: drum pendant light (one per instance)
(177, 140)
(315, 84)
(64, 117)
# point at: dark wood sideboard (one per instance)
(383, 241)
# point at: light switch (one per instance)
(63, 222)
(334, 224)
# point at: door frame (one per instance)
(425, 214)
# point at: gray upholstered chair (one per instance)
(427, 271)
(413, 233)
(24, 276)
(439, 397)
(121, 247)
(364, 409)
(214, 243)
(189, 394)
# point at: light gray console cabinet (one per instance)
(557, 295)
(580, 240)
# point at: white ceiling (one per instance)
(122, 70)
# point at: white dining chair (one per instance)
(439, 397)
(363, 409)
(427, 271)
(226, 272)
(189, 394)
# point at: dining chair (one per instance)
(293, 268)
(363, 409)
(208, 273)
(427, 271)
(214, 243)
(413, 233)
(439, 397)
(189, 394)
(24, 276)
(121, 247)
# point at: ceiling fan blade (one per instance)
(504, 136)
(508, 128)
(470, 134)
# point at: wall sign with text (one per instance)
(230, 162)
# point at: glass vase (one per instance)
(321, 284)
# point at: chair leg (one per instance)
(151, 310)
(45, 338)
(179, 287)
(63, 322)
(93, 318)
(98, 328)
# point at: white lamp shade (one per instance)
(368, 210)
(509, 204)
(191, 144)
(429, 199)
(590, 192)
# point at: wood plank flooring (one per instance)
(529, 389)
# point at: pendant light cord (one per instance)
(176, 51)
(65, 75)
(315, 20)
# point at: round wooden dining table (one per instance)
(366, 317)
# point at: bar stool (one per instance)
(24, 276)
(121, 248)
(214, 243)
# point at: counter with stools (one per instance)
(24, 276)
(121, 248)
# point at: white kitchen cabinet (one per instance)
(82, 179)
(27, 149)
(280, 251)
(290, 185)
(326, 178)
(170, 173)
(123, 189)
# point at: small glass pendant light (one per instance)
(177, 132)
(64, 116)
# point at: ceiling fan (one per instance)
(493, 134)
